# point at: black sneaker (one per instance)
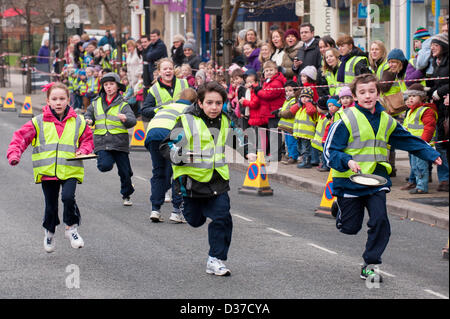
(334, 209)
(369, 273)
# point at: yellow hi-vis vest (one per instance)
(162, 97)
(166, 116)
(350, 70)
(365, 148)
(108, 122)
(50, 152)
(208, 156)
(287, 124)
(304, 125)
(316, 142)
(332, 81)
(397, 86)
(413, 121)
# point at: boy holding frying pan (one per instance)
(358, 142)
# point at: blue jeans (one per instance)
(291, 143)
(217, 208)
(315, 155)
(350, 217)
(421, 173)
(161, 179)
(304, 149)
(105, 163)
(442, 170)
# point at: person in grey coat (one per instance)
(113, 117)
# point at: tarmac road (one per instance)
(279, 250)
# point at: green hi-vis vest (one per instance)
(108, 122)
(333, 82)
(50, 152)
(208, 156)
(398, 86)
(166, 116)
(287, 123)
(316, 142)
(162, 96)
(304, 125)
(350, 70)
(413, 121)
(365, 148)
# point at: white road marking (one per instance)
(242, 217)
(324, 249)
(386, 273)
(141, 178)
(435, 293)
(279, 232)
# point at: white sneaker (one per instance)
(49, 242)
(177, 218)
(155, 216)
(127, 202)
(168, 197)
(75, 239)
(216, 267)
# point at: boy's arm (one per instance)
(336, 142)
(429, 121)
(171, 147)
(242, 146)
(131, 118)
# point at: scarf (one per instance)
(341, 70)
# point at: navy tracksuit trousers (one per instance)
(350, 218)
(217, 208)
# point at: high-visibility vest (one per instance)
(200, 141)
(166, 116)
(284, 123)
(397, 86)
(321, 126)
(304, 125)
(82, 87)
(365, 148)
(70, 81)
(92, 85)
(162, 97)
(350, 73)
(413, 121)
(50, 152)
(108, 122)
(332, 80)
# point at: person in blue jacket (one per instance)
(358, 142)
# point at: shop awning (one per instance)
(213, 7)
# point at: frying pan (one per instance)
(368, 179)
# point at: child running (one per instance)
(358, 142)
(56, 135)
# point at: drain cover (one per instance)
(433, 201)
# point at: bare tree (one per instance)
(2, 50)
(229, 15)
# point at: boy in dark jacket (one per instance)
(113, 117)
(202, 176)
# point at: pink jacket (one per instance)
(23, 137)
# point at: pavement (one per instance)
(431, 208)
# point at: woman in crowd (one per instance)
(330, 68)
(293, 43)
(377, 56)
(134, 63)
(177, 50)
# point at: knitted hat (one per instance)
(421, 34)
(345, 91)
(188, 45)
(310, 71)
(82, 72)
(334, 101)
(293, 32)
(396, 54)
(416, 89)
(112, 77)
(242, 34)
(201, 74)
(178, 38)
(441, 39)
(322, 103)
(306, 91)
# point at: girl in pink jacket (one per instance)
(56, 135)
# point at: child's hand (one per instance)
(438, 161)
(13, 162)
(122, 117)
(89, 122)
(354, 166)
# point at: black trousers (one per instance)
(71, 213)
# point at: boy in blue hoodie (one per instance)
(349, 149)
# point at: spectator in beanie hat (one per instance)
(308, 77)
(420, 35)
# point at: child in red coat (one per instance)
(52, 136)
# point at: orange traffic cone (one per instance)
(257, 181)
